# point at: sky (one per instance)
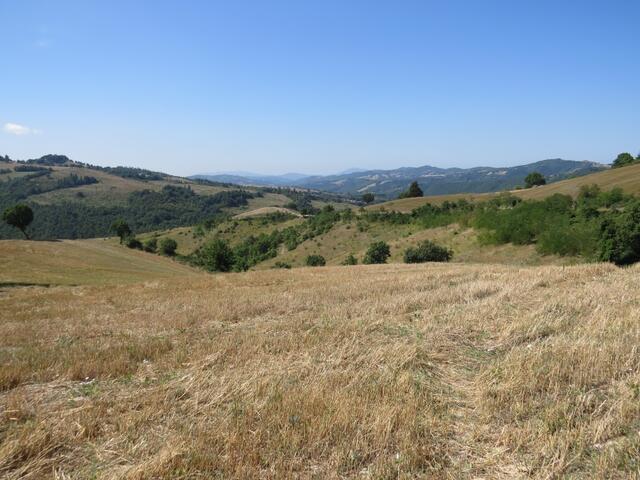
(190, 87)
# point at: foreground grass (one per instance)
(392, 371)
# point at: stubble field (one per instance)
(391, 371)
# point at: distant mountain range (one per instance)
(386, 184)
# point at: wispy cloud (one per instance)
(17, 129)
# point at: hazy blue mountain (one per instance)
(439, 181)
(432, 180)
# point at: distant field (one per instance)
(82, 262)
(627, 178)
(390, 371)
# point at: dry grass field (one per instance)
(390, 371)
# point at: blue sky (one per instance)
(200, 86)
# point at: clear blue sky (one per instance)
(269, 86)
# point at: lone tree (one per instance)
(414, 190)
(122, 229)
(534, 179)
(623, 160)
(168, 246)
(315, 261)
(427, 251)
(368, 197)
(378, 252)
(216, 256)
(19, 216)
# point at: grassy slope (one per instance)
(392, 371)
(82, 262)
(627, 178)
(345, 239)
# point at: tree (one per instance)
(623, 160)
(534, 179)
(121, 228)
(378, 252)
(168, 246)
(414, 190)
(19, 216)
(216, 256)
(368, 197)
(316, 261)
(427, 251)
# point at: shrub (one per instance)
(368, 197)
(315, 261)
(350, 260)
(168, 246)
(215, 256)
(620, 238)
(281, 265)
(427, 251)
(133, 242)
(378, 252)
(151, 245)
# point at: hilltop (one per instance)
(627, 178)
(76, 200)
(388, 184)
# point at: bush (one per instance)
(151, 245)
(620, 238)
(315, 261)
(215, 256)
(133, 242)
(378, 252)
(623, 160)
(350, 260)
(281, 265)
(427, 251)
(168, 246)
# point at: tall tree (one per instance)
(534, 179)
(623, 160)
(19, 216)
(121, 228)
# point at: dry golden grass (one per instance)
(391, 371)
(81, 262)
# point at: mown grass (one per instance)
(390, 371)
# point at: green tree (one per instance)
(168, 246)
(427, 251)
(315, 261)
(122, 229)
(216, 256)
(368, 197)
(19, 216)
(414, 190)
(623, 159)
(378, 252)
(534, 179)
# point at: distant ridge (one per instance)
(433, 180)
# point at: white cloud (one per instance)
(16, 129)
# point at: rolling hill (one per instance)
(433, 181)
(75, 200)
(627, 178)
